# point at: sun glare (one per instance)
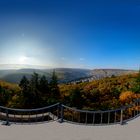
(23, 59)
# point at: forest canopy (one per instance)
(107, 93)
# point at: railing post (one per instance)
(86, 118)
(14, 117)
(62, 114)
(134, 109)
(108, 117)
(115, 118)
(137, 107)
(29, 118)
(7, 118)
(93, 118)
(101, 118)
(58, 111)
(121, 117)
(36, 116)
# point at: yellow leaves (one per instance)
(9, 86)
(127, 96)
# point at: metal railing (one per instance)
(120, 115)
(48, 113)
(64, 113)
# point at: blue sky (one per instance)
(70, 33)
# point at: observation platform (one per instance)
(68, 131)
(60, 122)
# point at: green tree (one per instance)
(24, 84)
(44, 89)
(54, 89)
(34, 90)
(43, 85)
(25, 97)
(76, 99)
(54, 79)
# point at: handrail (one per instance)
(100, 117)
(103, 111)
(89, 111)
(79, 110)
(60, 111)
(29, 110)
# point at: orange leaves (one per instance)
(127, 96)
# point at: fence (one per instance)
(120, 115)
(49, 113)
(64, 113)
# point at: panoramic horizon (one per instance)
(70, 34)
(70, 69)
(39, 67)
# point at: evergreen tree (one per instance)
(34, 89)
(34, 82)
(24, 84)
(25, 96)
(54, 89)
(44, 89)
(37, 92)
(54, 80)
(43, 85)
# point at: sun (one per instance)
(23, 59)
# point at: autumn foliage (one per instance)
(104, 94)
(127, 96)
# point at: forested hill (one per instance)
(64, 74)
(97, 74)
(103, 94)
(106, 93)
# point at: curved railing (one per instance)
(64, 113)
(48, 113)
(120, 115)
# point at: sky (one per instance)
(70, 33)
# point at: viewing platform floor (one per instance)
(67, 131)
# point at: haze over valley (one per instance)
(13, 73)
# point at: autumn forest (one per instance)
(107, 93)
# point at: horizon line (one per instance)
(27, 66)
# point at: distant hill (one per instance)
(102, 73)
(64, 74)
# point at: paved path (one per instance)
(66, 131)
